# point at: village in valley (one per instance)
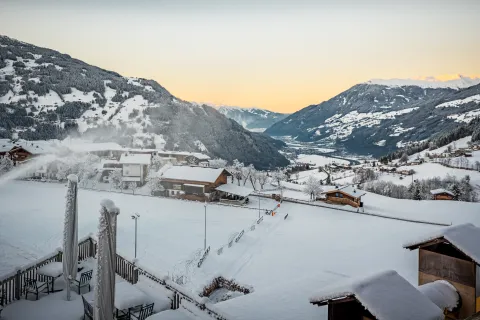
(239, 160)
(214, 237)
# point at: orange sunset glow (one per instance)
(277, 55)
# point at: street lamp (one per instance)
(135, 217)
(259, 198)
(205, 237)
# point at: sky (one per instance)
(279, 55)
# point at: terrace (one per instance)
(135, 287)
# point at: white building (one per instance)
(134, 167)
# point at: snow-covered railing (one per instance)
(12, 285)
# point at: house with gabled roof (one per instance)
(382, 296)
(349, 195)
(452, 254)
(193, 182)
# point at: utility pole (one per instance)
(205, 238)
(135, 217)
(259, 206)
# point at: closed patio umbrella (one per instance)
(70, 234)
(107, 247)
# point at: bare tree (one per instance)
(404, 158)
(132, 186)
(262, 178)
(312, 188)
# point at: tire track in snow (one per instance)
(253, 249)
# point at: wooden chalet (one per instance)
(384, 296)
(442, 194)
(453, 255)
(193, 182)
(348, 195)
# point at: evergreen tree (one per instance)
(455, 189)
(417, 192)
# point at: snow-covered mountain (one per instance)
(45, 95)
(379, 116)
(253, 119)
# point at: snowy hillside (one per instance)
(282, 259)
(380, 116)
(253, 119)
(458, 82)
(47, 95)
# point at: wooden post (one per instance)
(18, 285)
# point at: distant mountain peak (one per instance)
(456, 81)
(253, 119)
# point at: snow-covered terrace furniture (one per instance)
(83, 280)
(126, 296)
(34, 286)
(50, 272)
(383, 296)
(452, 254)
(442, 194)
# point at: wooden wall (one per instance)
(442, 197)
(459, 272)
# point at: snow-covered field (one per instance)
(430, 170)
(318, 160)
(284, 260)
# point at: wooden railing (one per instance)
(13, 285)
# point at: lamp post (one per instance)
(205, 237)
(135, 217)
(259, 198)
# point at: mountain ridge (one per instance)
(253, 119)
(45, 94)
(376, 119)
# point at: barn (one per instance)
(442, 194)
(349, 195)
(193, 182)
(452, 255)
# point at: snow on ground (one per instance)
(278, 258)
(458, 103)
(77, 95)
(430, 170)
(466, 116)
(169, 230)
(460, 143)
(457, 82)
(318, 160)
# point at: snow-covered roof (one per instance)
(6, 147)
(234, 189)
(192, 173)
(138, 158)
(352, 190)
(442, 293)
(464, 237)
(172, 315)
(281, 299)
(387, 296)
(78, 145)
(440, 191)
(199, 156)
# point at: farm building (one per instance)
(193, 182)
(383, 296)
(134, 167)
(453, 255)
(442, 194)
(347, 195)
(233, 194)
